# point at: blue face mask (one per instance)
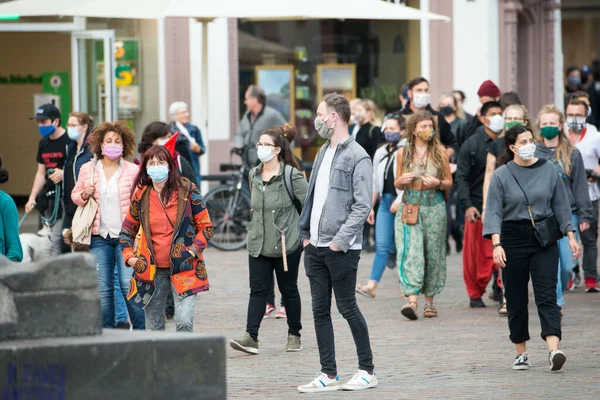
(392, 137)
(46, 131)
(574, 80)
(158, 173)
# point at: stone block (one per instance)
(115, 365)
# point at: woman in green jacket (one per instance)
(278, 190)
(10, 244)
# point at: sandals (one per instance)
(367, 292)
(429, 311)
(409, 310)
(502, 310)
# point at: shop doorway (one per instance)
(93, 65)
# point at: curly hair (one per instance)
(434, 147)
(118, 127)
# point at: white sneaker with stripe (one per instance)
(322, 383)
(360, 381)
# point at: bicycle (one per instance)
(229, 204)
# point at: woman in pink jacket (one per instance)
(111, 185)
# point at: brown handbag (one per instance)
(410, 212)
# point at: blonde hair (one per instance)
(434, 147)
(523, 110)
(370, 107)
(564, 149)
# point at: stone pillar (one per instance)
(177, 61)
(509, 19)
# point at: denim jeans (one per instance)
(108, 258)
(565, 264)
(120, 302)
(384, 235)
(328, 271)
(155, 310)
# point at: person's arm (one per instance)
(240, 135)
(359, 211)
(399, 182)
(446, 136)
(10, 220)
(490, 167)
(494, 210)
(187, 170)
(579, 186)
(204, 228)
(463, 167)
(38, 185)
(561, 207)
(200, 141)
(82, 181)
(300, 186)
(130, 229)
(446, 181)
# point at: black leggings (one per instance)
(261, 279)
(525, 257)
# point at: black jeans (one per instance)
(261, 278)
(589, 238)
(524, 256)
(328, 270)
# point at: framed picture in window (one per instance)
(339, 78)
(278, 83)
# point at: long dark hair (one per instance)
(152, 131)
(510, 138)
(172, 183)
(282, 136)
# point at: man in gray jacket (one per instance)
(257, 118)
(337, 205)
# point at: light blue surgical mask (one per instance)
(73, 133)
(158, 173)
(264, 153)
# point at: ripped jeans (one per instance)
(155, 310)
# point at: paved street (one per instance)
(462, 354)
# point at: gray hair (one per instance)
(177, 107)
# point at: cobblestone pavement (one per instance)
(463, 354)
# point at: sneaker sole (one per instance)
(279, 316)
(409, 313)
(319, 389)
(236, 346)
(558, 361)
(521, 367)
(592, 290)
(355, 388)
(293, 350)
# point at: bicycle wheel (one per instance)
(229, 211)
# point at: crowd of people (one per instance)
(516, 196)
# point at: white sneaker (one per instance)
(361, 380)
(321, 383)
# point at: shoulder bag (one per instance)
(547, 231)
(83, 220)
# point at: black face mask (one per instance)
(445, 111)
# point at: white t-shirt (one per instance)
(589, 147)
(319, 198)
(110, 203)
(355, 130)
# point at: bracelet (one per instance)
(496, 245)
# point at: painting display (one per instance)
(340, 78)
(278, 83)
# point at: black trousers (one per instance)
(589, 238)
(525, 257)
(261, 280)
(328, 271)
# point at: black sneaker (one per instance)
(123, 325)
(476, 303)
(521, 362)
(496, 295)
(556, 359)
(391, 260)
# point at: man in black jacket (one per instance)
(418, 93)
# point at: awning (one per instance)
(260, 10)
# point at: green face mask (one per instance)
(510, 124)
(549, 132)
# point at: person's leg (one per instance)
(411, 261)
(184, 311)
(470, 258)
(343, 268)
(589, 238)
(136, 315)
(319, 279)
(435, 254)
(544, 269)
(56, 238)
(517, 243)
(288, 284)
(120, 302)
(105, 265)
(154, 313)
(170, 308)
(384, 233)
(261, 277)
(271, 293)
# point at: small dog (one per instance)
(75, 247)
(36, 246)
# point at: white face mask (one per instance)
(576, 124)
(421, 100)
(265, 153)
(73, 133)
(526, 152)
(496, 123)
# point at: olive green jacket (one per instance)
(273, 212)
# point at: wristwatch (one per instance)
(496, 245)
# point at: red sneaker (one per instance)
(591, 286)
(269, 309)
(570, 285)
(281, 313)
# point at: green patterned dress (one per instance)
(422, 247)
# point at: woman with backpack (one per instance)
(273, 238)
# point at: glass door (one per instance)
(93, 64)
